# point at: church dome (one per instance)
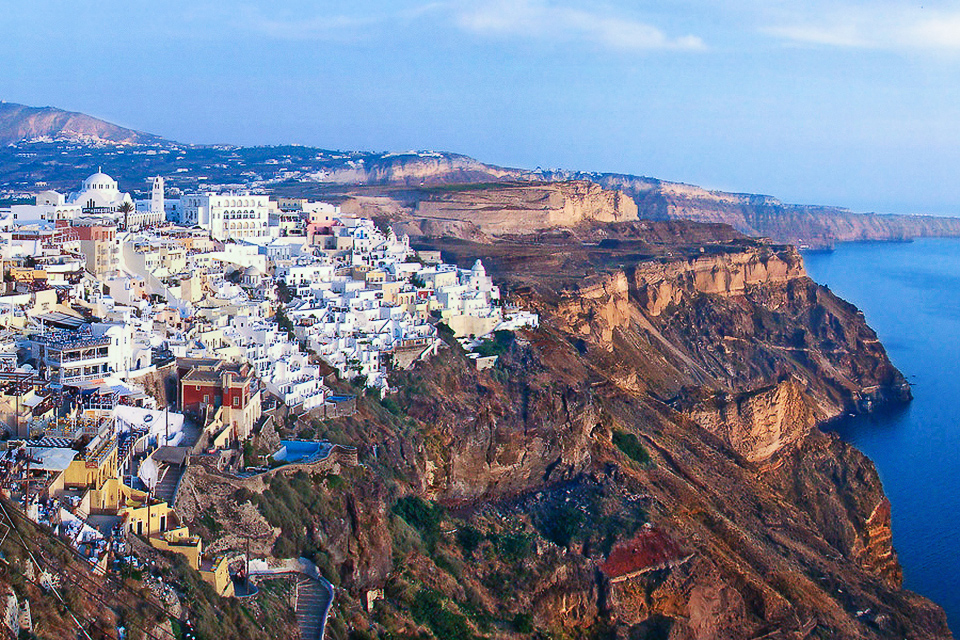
(100, 180)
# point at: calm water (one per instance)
(910, 294)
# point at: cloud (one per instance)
(529, 19)
(323, 27)
(540, 20)
(874, 27)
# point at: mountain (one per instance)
(19, 122)
(58, 148)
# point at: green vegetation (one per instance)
(630, 445)
(497, 345)
(335, 482)
(523, 622)
(512, 547)
(209, 521)
(284, 293)
(214, 617)
(566, 523)
(586, 513)
(292, 503)
(284, 322)
(428, 609)
(390, 404)
(423, 516)
(469, 539)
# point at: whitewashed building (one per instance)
(230, 215)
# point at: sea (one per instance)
(910, 295)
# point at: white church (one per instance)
(99, 197)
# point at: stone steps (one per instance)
(312, 602)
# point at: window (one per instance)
(236, 401)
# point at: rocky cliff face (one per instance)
(529, 208)
(751, 214)
(678, 388)
(790, 526)
(418, 169)
(761, 422)
(726, 274)
(759, 215)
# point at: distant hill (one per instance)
(814, 226)
(21, 123)
(55, 148)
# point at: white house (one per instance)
(231, 215)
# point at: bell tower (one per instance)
(156, 197)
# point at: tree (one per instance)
(126, 208)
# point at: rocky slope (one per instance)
(19, 122)
(676, 390)
(526, 208)
(523, 204)
(759, 215)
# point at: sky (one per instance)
(838, 102)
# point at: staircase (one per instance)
(166, 489)
(313, 604)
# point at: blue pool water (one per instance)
(301, 451)
(910, 294)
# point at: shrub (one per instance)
(630, 445)
(335, 482)
(497, 345)
(423, 516)
(390, 404)
(293, 503)
(513, 547)
(564, 525)
(427, 608)
(468, 538)
(523, 622)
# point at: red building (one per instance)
(208, 385)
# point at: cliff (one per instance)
(530, 203)
(676, 390)
(437, 189)
(758, 215)
(527, 208)
(19, 122)
(499, 209)
(417, 169)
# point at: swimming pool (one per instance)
(301, 451)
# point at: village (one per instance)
(136, 335)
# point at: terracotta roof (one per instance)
(650, 549)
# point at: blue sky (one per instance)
(848, 103)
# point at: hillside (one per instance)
(672, 393)
(59, 148)
(758, 215)
(19, 122)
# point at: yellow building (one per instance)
(95, 474)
